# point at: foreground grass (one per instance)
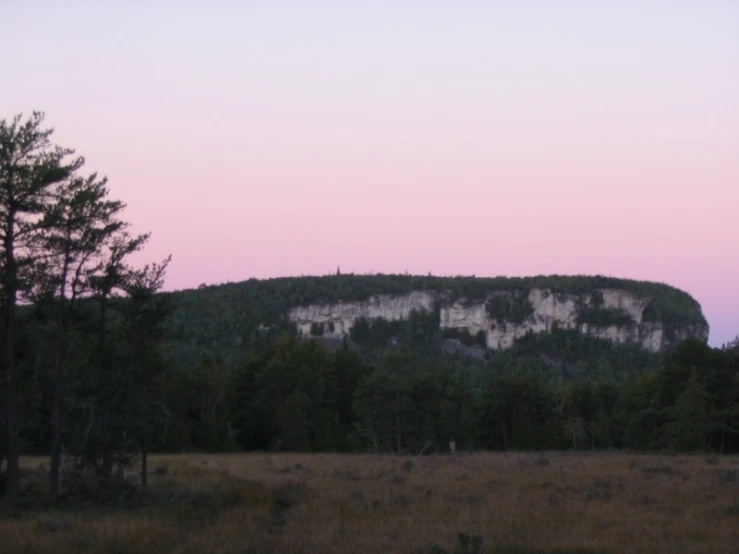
(301, 503)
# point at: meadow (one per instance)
(551, 502)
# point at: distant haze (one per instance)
(488, 138)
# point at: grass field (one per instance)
(302, 503)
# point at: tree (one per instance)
(108, 382)
(688, 425)
(63, 240)
(75, 228)
(721, 382)
(437, 410)
(293, 423)
(144, 318)
(30, 170)
(383, 403)
(377, 411)
(346, 370)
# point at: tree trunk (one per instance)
(107, 469)
(11, 415)
(58, 382)
(398, 420)
(504, 426)
(574, 438)
(11, 404)
(56, 445)
(144, 469)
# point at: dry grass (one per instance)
(301, 503)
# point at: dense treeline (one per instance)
(296, 395)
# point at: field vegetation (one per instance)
(330, 503)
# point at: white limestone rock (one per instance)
(549, 310)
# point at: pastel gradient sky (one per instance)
(259, 139)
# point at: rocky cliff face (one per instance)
(338, 319)
(542, 312)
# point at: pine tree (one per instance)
(31, 169)
(75, 229)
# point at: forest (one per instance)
(230, 318)
(101, 368)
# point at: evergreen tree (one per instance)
(75, 227)
(687, 424)
(31, 169)
(293, 424)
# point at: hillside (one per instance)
(472, 315)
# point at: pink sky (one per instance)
(514, 138)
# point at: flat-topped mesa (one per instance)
(502, 317)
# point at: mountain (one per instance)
(471, 315)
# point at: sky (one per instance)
(264, 139)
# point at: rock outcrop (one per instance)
(338, 319)
(541, 311)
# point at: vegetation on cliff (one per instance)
(228, 318)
